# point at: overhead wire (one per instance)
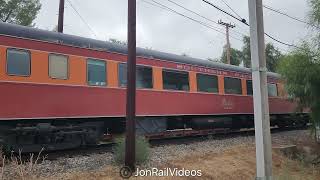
(82, 19)
(245, 22)
(239, 19)
(162, 6)
(289, 16)
(202, 16)
(244, 30)
(192, 12)
(231, 8)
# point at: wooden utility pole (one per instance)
(260, 93)
(61, 16)
(131, 87)
(227, 25)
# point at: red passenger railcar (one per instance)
(60, 91)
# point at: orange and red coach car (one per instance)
(61, 91)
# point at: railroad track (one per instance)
(83, 151)
(108, 147)
(217, 136)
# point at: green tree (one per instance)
(246, 52)
(314, 19)
(301, 69)
(21, 12)
(314, 14)
(273, 55)
(235, 56)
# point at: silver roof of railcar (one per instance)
(50, 36)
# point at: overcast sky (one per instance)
(169, 32)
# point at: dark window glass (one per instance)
(272, 90)
(143, 76)
(232, 85)
(122, 75)
(207, 83)
(175, 80)
(249, 87)
(96, 72)
(18, 62)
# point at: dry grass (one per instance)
(19, 169)
(234, 163)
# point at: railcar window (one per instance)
(143, 76)
(232, 85)
(96, 72)
(272, 90)
(58, 66)
(18, 62)
(249, 87)
(175, 80)
(207, 83)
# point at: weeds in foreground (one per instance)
(20, 169)
(302, 170)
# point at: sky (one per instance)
(165, 31)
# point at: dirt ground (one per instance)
(235, 163)
(224, 159)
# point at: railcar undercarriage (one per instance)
(32, 136)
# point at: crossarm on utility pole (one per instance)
(228, 48)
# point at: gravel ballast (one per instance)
(159, 155)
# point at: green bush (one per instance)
(300, 69)
(142, 150)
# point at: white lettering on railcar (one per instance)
(212, 71)
(227, 103)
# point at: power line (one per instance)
(192, 11)
(289, 16)
(245, 22)
(201, 15)
(159, 5)
(225, 2)
(231, 8)
(273, 38)
(239, 19)
(82, 19)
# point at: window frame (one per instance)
(267, 88)
(137, 65)
(87, 71)
(247, 86)
(271, 83)
(207, 75)
(224, 83)
(178, 71)
(30, 61)
(68, 66)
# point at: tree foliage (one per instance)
(314, 14)
(301, 69)
(246, 52)
(21, 12)
(314, 19)
(273, 55)
(235, 56)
